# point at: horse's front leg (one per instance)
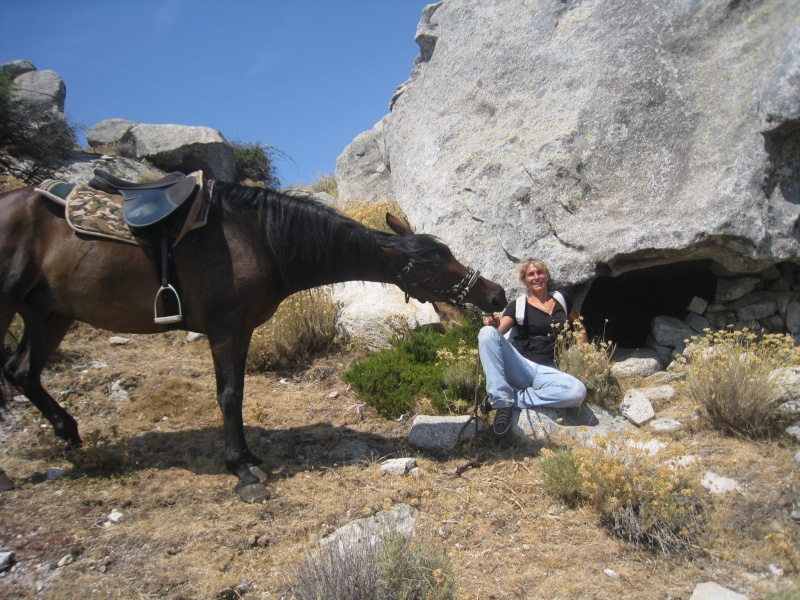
(229, 351)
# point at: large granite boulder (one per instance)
(169, 147)
(600, 136)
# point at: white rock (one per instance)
(398, 466)
(714, 591)
(642, 367)
(666, 424)
(636, 407)
(697, 305)
(716, 484)
(366, 306)
(114, 516)
(440, 433)
(658, 392)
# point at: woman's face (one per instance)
(535, 279)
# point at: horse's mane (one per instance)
(304, 233)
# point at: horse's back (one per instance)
(45, 263)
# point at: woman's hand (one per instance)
(491, 321)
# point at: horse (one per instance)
(257, 247)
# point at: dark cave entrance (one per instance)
(630, 301)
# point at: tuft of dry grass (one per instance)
(304, 324)
(9, 182)
(731, 377)
(373, 214)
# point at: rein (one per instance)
(453, 296)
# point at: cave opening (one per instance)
(620, 309)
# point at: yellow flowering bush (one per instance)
(653, 501)
(731, 377)
(645, 499)
(304, 323)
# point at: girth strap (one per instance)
(166, 292)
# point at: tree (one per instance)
(254, 162)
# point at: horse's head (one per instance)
(429, 272)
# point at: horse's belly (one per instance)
(106, 284)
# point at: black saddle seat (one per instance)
(147, 203)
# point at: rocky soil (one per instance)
(147, 510)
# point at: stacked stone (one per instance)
(768, 302)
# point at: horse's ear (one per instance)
(396, 225)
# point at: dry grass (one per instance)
(9, 182)
(184, 534)
(373, 214)
(731, 377)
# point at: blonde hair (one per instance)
(527, 262)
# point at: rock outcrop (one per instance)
(41, 96)
(169, 147)
(603, 137)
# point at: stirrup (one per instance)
(176, 318)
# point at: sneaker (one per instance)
(502, 421)
(486, 405)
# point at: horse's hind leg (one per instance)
(24, 369)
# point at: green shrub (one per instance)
(254, 162)
(411, 570)
(422, 364)
(731, 376)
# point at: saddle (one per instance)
(147, 203)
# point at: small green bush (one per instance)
(421, 364)
(254, 162)
(561, 475)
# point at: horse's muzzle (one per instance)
(488, 296)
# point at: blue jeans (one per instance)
(513, 380)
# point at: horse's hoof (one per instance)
(255, 492)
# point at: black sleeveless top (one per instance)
(536, 337)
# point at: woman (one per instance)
(521, 371)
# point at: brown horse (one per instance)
(257, 248)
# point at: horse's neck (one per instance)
(347, 264)
(350, 272)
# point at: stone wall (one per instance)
(767, 303)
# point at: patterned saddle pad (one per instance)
(94, 212)
(88, 210)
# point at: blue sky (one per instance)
(304, 76)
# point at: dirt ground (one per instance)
(156, 458)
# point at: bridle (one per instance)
(453, 296)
